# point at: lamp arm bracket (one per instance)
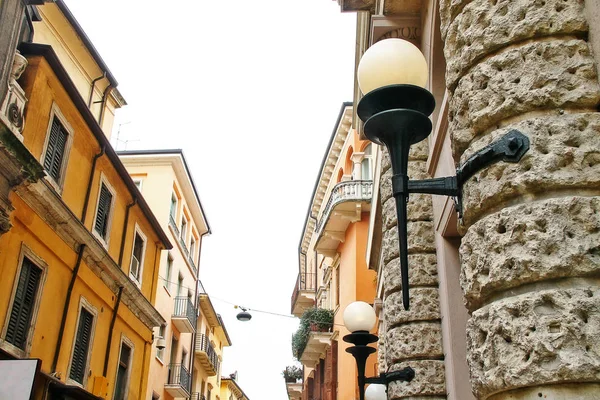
(406, 374)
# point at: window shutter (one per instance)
(82, 345)
(22, 309)
(55, 149)
(103, 211)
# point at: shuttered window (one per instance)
(82, 345)
(123, 373)
(55, 151)
(136, 258)
(23, 304)
(103, 213)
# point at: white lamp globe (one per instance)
(376, 391)
(389, 62)
(359, 316)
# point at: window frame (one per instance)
(129, 343)
(174, 209)
(169, 272)
(160, 353)
(139, 183)
(55, 112)
(83, 303)
(138, 231)
(41, 264)
(104, 181)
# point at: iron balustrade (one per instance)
(179, 376)
(305, 281)
(196, 396)
(184, 308)
(173, 225)
(343, 192)
(203, 344)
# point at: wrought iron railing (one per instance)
(343, 192)
(196, 396)
(305, 281)
(179, 376)
(173, 225)
(203, 344)
(185, 308)
(192, 263)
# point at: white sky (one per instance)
(251, 91)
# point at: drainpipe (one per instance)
(196, 306)
(107, 91)
(110, 331)
(156, 271)
(89, 186)
(93, 87)
(133, 203)
(63, 320)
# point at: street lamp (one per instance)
(243, 315)
(359, 318)
(395, 109)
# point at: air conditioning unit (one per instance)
(161, 343)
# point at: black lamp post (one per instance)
(396, 110)
(359, 318)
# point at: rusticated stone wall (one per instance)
(530, 256)
(414, 337)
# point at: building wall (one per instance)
(59, 257)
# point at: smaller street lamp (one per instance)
(243, 315)
(359, 318)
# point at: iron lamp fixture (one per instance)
(395, 111)
(243, 315)
(359, 318)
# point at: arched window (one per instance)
(366, 165)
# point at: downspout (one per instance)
(93, 87)
(144, 379)
(107, 91)
(196, 306)
(110, 331)
(156, 271)
(133, 203)
(89, 186)
(63, 320)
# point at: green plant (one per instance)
(313, 319)
(292, 373)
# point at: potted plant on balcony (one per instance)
(313, 320)
(292, 374)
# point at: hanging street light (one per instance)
(395, 109)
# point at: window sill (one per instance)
(159, 360)
(134, 280)
(13, 350)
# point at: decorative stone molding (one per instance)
(12, 111)
(407, 27)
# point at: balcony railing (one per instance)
(178, 380)
(343, 192)
(173, 225)
(184, 309)
(203, 345)
(197, 396)
(305, 281)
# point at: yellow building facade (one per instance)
(80, 253)
(333, 258)
(231, 390)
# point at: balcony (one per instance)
(316, 347)
(178, 381)
(197, 396)
(207, 355)
(173, 226)
(303, 296)
(346, 203)
(294, 390)
(184, 315)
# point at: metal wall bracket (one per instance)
(406, 374)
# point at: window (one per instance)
(184, 355)
(56, 149)
(366, 164)
(337, 286)
(173, 205)
(179, 285)
(103, 213)
(192, 247)
(138, 184)
(137, 257)
(160, 353)
(183, 228)
(169, 271)
(25, 297)
(123, 370)
(82, 344)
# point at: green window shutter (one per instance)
(101, 224)
(22, 309)
(82, 345)
(55, 150)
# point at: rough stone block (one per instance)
(385, 186)
(549, 74)
(424, 306)
(419, 208)
(422, 271)
(537, 338)
(429, 381)
(529, 243)
(420, 240)
(449, 9)
(483, 27)
(415, 340)
(564, 154)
